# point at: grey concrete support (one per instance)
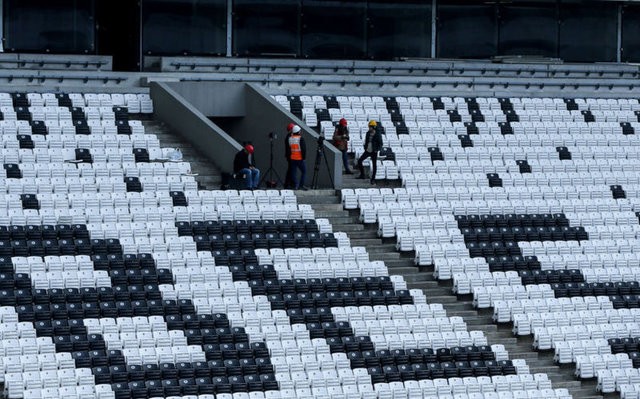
(173, 109)
(2, 24)
(213, 98)
(434, 27)
(619, 35)
(229, 28)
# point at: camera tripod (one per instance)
(271, 172)
(320, 154)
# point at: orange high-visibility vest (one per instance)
(294, 146)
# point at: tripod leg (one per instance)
(326, 164)
(268, 174)
(316, 169)
(278, 179)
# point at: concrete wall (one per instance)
(173, 109)
(219, 99)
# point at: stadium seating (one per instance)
(119, 279)
(528, 204)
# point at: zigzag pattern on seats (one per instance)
(528, 204)
(118, 278)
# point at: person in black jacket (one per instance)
(341, 142)
(372, 144)
(245, 164)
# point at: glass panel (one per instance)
(529, 29)
(631, 34)
(588, 32)
(466, 31)
(197, 27)
(59, 26)
(333, 29)
(399, 29)
(266, 27)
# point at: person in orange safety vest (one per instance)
(296, 153)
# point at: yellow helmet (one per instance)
(373, 123)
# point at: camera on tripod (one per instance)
(320, 155)
(270, 178)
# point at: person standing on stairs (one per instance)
(341, 142)
(245, 164)
(296, 153)
(372, 144)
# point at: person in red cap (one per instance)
(245, 164)
(341, 142)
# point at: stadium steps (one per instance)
(327, 204)
(208, 175)
(350, 181)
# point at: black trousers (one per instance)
(374, 160)
(287, 177)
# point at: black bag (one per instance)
(231, 182)
(225, 183)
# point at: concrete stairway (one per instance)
(208, 175)
(326, 204)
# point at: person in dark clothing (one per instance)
(245, 164)
(341, 142)
(296, 153)
(372, 144)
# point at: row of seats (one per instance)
(554, 197)
(508, 122)
(588, 366)
(63, 116)
(542, 103)
(535, 166)
(481, 180)
(412, 197)
(46, 130)
(353, 100)
(525, 324)
(169, 171)
(440, 128)
(95, 142)
(581, 208)
(622, 380)
(352, 199)
(139, 103)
